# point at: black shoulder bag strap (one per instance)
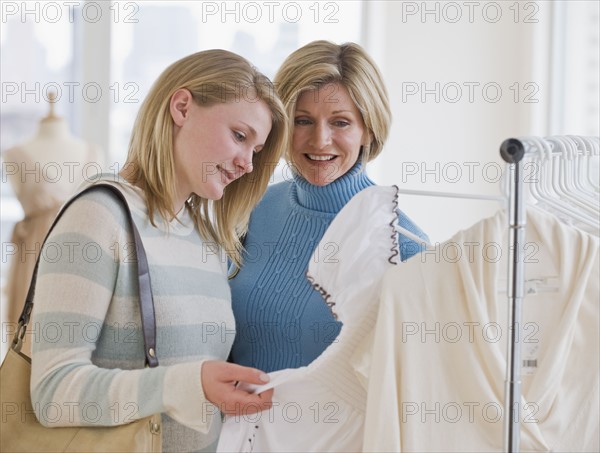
(145, 295)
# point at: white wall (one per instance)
(445, 144)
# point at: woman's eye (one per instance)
(341, 123)
(239, 136)
(301, 121)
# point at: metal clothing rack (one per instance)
(513, 152)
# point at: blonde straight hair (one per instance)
(321, 62)
(212, 76)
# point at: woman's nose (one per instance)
(320, 136)
(243, 161)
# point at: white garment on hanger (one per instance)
(321, 407)
(436, 359)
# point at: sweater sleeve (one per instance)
(80, 270)
(408, 247)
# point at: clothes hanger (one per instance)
(588, 161)
(546, 186)
(410, 235)
(545, 189)
(421, 241)
(592, 145)
(589, 197)
(567, 190)
(581, 152)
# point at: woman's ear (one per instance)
(179, 106)
(367, 139)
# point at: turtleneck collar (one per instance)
(334, 196)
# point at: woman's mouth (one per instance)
(226, 176)
(320, 157)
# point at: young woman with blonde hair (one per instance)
(200, 157)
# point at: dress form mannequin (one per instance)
(43, 172)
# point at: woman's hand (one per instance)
(219, 381)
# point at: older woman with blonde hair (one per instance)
(208, 121)
(340, 118)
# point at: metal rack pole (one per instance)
(512, 151)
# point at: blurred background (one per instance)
(462, 77)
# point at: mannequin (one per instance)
(43, 172)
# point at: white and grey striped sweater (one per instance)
(87, 346)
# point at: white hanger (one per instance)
(583, 163)
(428, 193)
(592, 148)
(548, 190)
(410, 235)
(567, 190)
(579, 154)
(421, 241)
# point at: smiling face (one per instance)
(214, 146)
(328, 133)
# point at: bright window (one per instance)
(263, 32)
(100, 59)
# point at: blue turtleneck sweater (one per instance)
(281, 321)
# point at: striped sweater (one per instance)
(87, 345)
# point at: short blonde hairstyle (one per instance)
(321, 62)
(212, 76)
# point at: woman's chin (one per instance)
(212, 193)
(320, 182)
(320, 175)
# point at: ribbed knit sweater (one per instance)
(88, 356)
(281, 320)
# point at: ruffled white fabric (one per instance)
(321, 407)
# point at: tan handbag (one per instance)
(20, 431)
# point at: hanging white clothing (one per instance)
(436, 359)
(321, 407)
